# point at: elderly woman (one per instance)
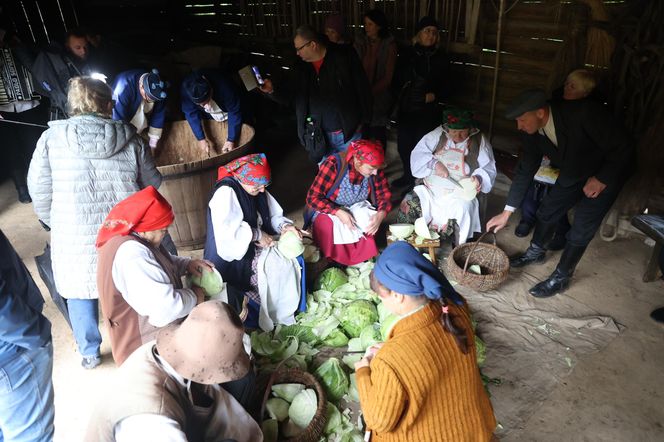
(445, 156)
(139, 282)
(423, 383)
(378, 52)
(347, 201)
(421, 81)
(243, 222)
(82, 167)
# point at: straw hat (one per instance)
(207, 346)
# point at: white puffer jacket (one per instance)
(82, 167)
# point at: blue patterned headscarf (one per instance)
(404, 270)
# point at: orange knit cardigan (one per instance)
(421, 387)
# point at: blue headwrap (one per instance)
(154, 86)
(404, 270)
(197, 87)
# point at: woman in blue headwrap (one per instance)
(423, 383)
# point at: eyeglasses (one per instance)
(303, 46)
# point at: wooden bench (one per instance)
(653, 227)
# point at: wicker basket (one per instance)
(295, 376)
(492, 260)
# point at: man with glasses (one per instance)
(331, 93)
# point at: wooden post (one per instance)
(499, 33)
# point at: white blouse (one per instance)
(147, 288)
(423, 161)
(232, 235)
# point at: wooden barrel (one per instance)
(188, 175)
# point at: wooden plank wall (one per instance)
(534, 33)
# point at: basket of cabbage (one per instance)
(294, 407)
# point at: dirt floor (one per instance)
(616, 394)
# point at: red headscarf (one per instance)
(252, 170)
(144, 211)
(367, 151)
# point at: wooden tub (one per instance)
(188, 175)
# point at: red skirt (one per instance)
(345, 254)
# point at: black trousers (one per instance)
(409, 132)
(588, 215)
(19, 141)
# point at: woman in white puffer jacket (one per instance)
(82, 167)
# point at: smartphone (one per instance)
(258, 76)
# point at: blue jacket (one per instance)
(127, 98)
(22, 325)
(227, 98)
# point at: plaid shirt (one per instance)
(327, 174)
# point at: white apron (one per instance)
(278, 280)
(440, 206)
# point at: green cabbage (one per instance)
(353, 394)
(333, 419)
(336, 338)
(355, 344)
(480, 348)
(264, 345)
(369, 336)
(287, 391)
(351, 359)
(303, 408)
(333, 378)
(210, 281)
(302, 333)
(277, 408)
(330, 279)
(386, 325)
(270, 429)
(356, 316)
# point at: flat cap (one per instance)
(528, 100)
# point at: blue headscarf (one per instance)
(404, 270)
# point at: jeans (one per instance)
(336, 143)
(26, 396)
(84, 317)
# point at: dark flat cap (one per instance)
(528, 100)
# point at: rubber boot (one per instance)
(20, 181)
(533, 254)
(560, 278)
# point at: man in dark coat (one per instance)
(331, 92)
(594, 153)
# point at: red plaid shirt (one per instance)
(327, 174)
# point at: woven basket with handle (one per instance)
(493, 262)
(315, 428)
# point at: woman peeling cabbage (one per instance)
(423, 383)
(139, 282)
(243, 221)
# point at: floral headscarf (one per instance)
(145, 211)
(367, 151)
(251, 170)
(455, 118)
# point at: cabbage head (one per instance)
(333, 378)
(333, 419)
(336, 338)
(210, 281)
(287, 392)
(330, 279)
(480, 348)
(356, 316)
(303, 408)
(277, 408)
(369, 336)
(386, 325)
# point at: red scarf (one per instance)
(144, 211)
(367, 152)
(251, 170)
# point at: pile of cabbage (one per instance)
(342, 311)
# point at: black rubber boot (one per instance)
(560, 278)
(658, 315)
(18, 176)
(557, 242)
(533, 254)
(523, 229)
